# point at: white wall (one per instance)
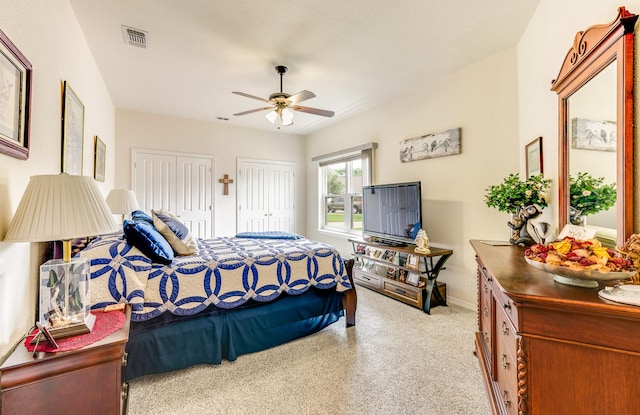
(47, 33)
(482, 100)
(226, 143)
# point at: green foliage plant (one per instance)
(589, 194)
(514, 193)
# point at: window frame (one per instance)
(365, 155)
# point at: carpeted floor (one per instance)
(397, 360)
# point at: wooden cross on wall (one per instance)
(226, 180)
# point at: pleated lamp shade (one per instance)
(60, 207)
(122, 202)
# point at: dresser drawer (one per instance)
(505, 366)
(485, 314)
(404, 293)
(366, 279)
(507, 305)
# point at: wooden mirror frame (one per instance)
(592, 51)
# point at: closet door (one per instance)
(194, 194)
(266, 196)
(154, 181)
(281, 198)
(179, 183)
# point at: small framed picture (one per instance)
(533, 154)
(412, 262)
(391, 272)
(360, 249)
(369, 265)
(412, 278)
(99, 159)
(377, 253)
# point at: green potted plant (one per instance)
(589, 195)
(523, 199)
(514, 193)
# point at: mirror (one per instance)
(595, 131)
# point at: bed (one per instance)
(237, 295)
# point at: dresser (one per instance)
(547, 348)
(88, 380)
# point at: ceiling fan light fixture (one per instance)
(287, 116)
(272, 116)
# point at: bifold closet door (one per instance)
(181, 184)
(266, 196)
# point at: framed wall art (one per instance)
(72, 131)
(593, 134)
(428, 146)
(533, 157)
(15, 100)
(99, 159)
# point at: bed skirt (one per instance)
(207, 338)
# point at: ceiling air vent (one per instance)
(135, 37)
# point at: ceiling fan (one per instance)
(282, 103)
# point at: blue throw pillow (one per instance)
(176, 233)
(138, 215)
(148, 240)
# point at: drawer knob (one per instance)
(125, 356)
(486, 311)
(505, 328)
(505, 398)
(505, 363)
(507, 306)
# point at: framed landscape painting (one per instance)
(99, 162)
(15, 100)
(72, 131)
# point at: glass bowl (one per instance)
(587, 278)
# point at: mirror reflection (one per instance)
(592, 134)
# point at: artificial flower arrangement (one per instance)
(579, 255)
(589, 195)
(514, 193)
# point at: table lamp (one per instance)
(62, 207)
(122, 202)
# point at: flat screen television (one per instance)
(392, 213)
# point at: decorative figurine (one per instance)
(422, 242)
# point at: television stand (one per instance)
(400, 272)
(389, 242)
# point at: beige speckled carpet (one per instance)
(397, 360)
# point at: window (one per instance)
(342, 176)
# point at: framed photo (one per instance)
(413, 262)
(412, 278)
(99, 159)
(428, 146)
(593, 134)
(72, 131)
(15, 100)
(390, 256)
(533, 156)
(377, 253)
(391, 272)
(360, 249)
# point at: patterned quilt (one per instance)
(227, 273)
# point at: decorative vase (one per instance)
(576, 217)
(518, 225)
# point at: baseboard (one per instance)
(462, 303)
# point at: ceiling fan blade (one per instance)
(250, 96)
(255, 110)
(301, 96)
(314, 111)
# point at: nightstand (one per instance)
(88, 380)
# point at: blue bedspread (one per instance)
(227, 273)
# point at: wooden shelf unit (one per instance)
(384, 269)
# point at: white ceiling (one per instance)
(353, 54)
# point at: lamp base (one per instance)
(69, 330)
